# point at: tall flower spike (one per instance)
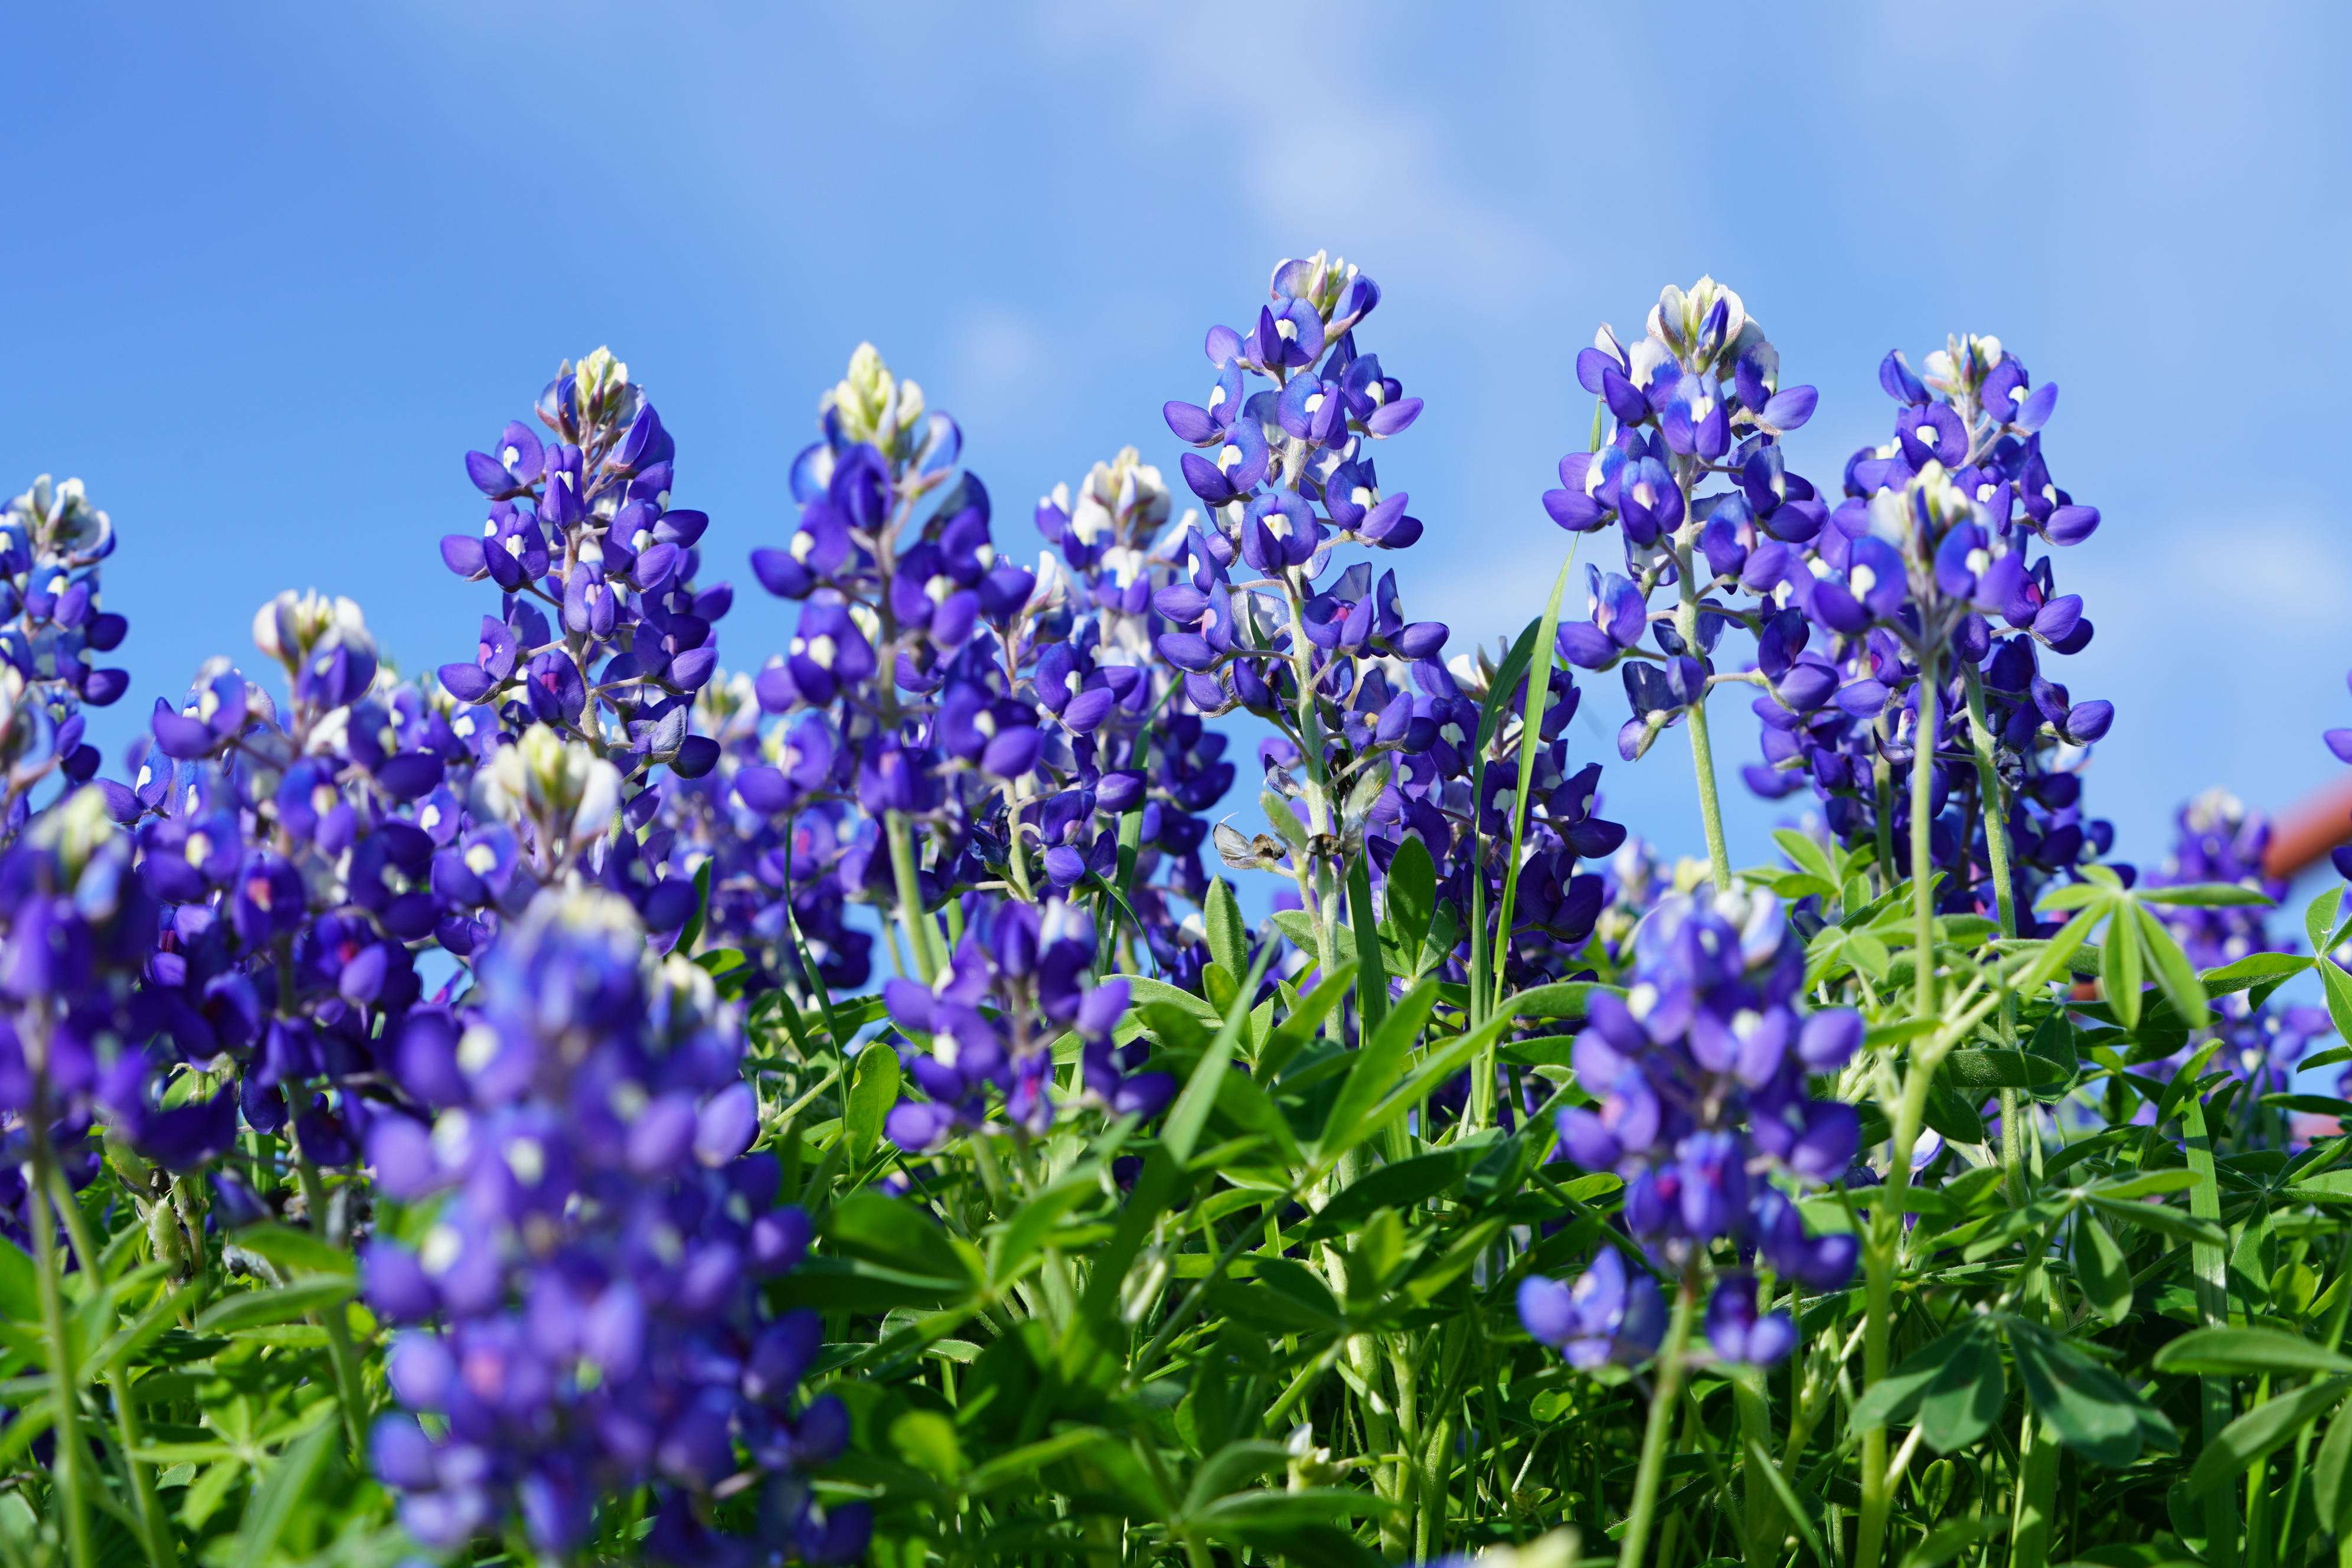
(601, 633)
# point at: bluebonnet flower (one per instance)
(304, 858)
(1700, 1077)
(581, 1310)
(1698, 398)
(2219, 841)
(74, 930)
(1932, 552)
(1292, 479)
(1376, 734)
(1608, 1314)
(619, 638)
(51, 625)
(1017, 982)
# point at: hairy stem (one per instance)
(335, 1320)
(1923, 798)
(1710, 806)
(910, 896)
(1664, 1398)
(72, 1454)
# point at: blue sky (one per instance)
(273, 268)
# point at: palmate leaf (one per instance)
(2093, 1411)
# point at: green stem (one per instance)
(1664, 1398)
(1539, 698)
(161, 1553)
(1764, 1530)
(1710, 806)
(335, 1320)
(1881, 783)
(72, 1455)
(910, 896)
(1995, 796)
(153, 1527)
(1878, 1261)
(2210, 1281)
(1314, 879)
(1923, 798)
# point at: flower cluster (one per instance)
(305, 858)
(584, 525)
(932, 682)
(2220, 842)
(1292, 481)
(1016, 983)
(75, 928)
(1929, 564)
(1701, 1074)
(584, 1302)
(1926, 567)
(51, 543)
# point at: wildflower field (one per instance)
(591, 1103)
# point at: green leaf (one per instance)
(1163, 1175)
(1805, 854)
(2147, 1183)
(1506, 684)
(2158, 1217)
(1228, 932)
(1299, 927)
(2120, 970)
(1895, 1398)
(2093, 1411)
(1026, 1231)
(281, 1492)
(2338, 987)
(2333, 1187)
(1953, 1117)
(251, 1309)
(1569, 999)
(1142, 988)
(2331, 1477)
(2252, 970)
(927, 1440)
(1265, 1509)
(2255, 1436)
(1240, 1097)
(1397, 1186)
(2204, 896)
(1946, 1542)
(2316, 1104)
(894, 1233)
(1412, 897)
(1291, 1035)
(872, 1093)
(1997, 1069)
(2248, 1352)
(2175, 976)
(1964, 1396)
(20, 1295)
(1440, 1064)
(2100, 1270)
(1760, 1463)
(1377, 1066)
(1231, 1469)
(1022, 1463)
(2319, 919)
